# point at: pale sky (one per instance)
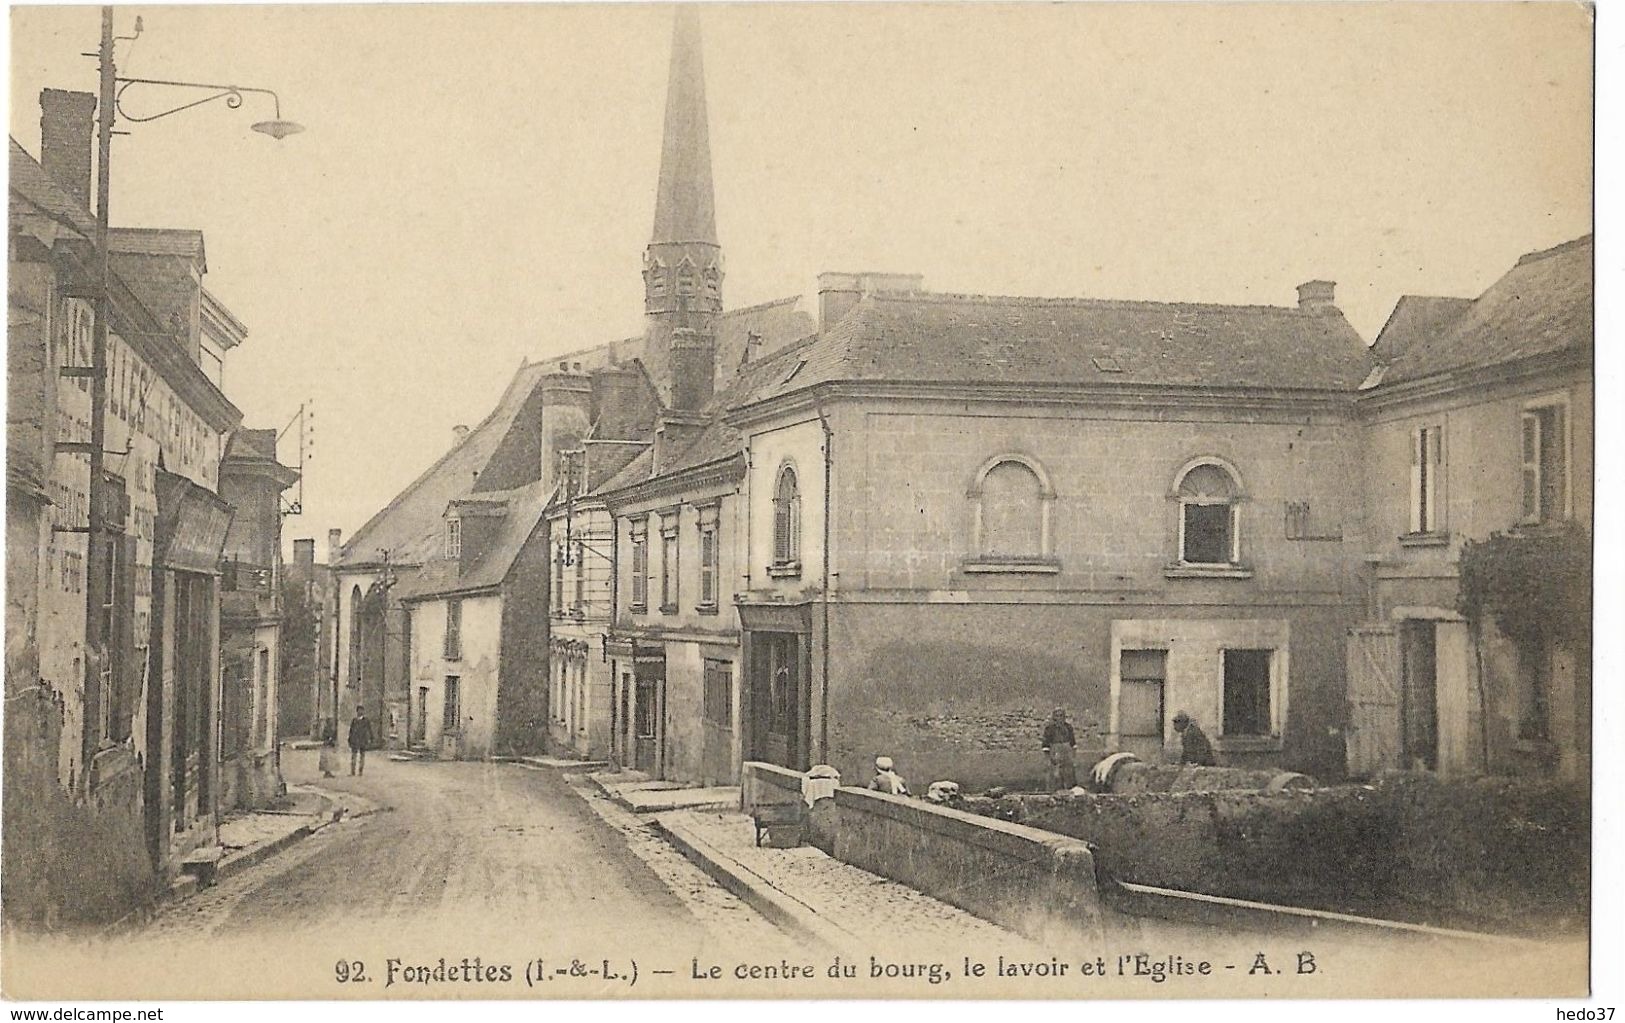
(476, 183)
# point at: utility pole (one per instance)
(97, 562)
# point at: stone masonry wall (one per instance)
(1487, 854)
(68, 863)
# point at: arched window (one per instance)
(355, 636)
(1012, 511)
(1209, 499)
(1011, 499)
(786, 522)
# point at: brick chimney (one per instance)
(304, 553)
(753, 348)
(839, 292)
(693, 368)
(67, 133)
(1317, 296)
(333, 546)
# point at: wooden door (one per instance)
(716, 763)
(1140, 703)
(1373, 734)
(778, 699)
(646, 720)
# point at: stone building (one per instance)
(111, 753)
(251, 609)
(304, 699)
(965, 510)
(1479, 420)
(588, 412)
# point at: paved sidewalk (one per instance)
(823, 899)
(639, 793)
(246, 839)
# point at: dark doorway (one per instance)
(420, 721)
(157, 845)
(1418, 694)
(1247, 708)
(778, 700)
(648, 711)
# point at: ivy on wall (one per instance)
(1534, 585)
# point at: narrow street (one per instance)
(475, 850)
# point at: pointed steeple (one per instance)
(682, 267)
(683, 207)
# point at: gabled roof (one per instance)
(1416, 318)
(521, 509)
(718, 440)
(1543, 304)
(409, 527)
(135, 311)
(919, 337)
(30, 182)
(253, 453)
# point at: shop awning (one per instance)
(191, 524)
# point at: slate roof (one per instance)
(920, 337)
(718, 440)
(522, 509)
(410, 525)
(159, 241)
(1415, 318)
(1543, 304)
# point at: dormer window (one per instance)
(454, 539)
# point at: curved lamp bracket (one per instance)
(232, 94)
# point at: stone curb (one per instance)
(788, 914)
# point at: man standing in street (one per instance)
(1060, 743)
(1193, 745)
(360, 739)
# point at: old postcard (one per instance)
(778, 501)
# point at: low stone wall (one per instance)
(765, 784)
(1031, 881)
(1487, 853)
(1135, 777)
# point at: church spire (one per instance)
(683, 207)
(683, 264)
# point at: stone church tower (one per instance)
(682, 266)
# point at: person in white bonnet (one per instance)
(887, 779)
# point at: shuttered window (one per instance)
(640, 565)
(708, 565)
(454, 629)
(786, 520)
(1545, 470)
(1427, 470)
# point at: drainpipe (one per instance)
(823, 703)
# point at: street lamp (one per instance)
(97, 558)
(277, 128)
